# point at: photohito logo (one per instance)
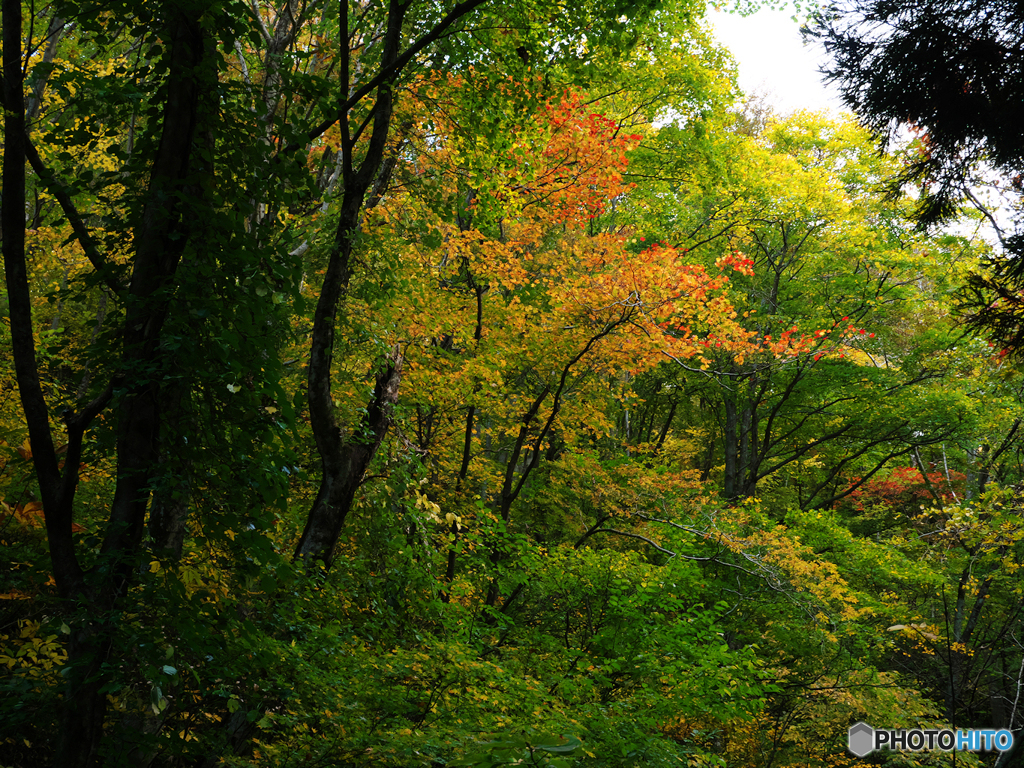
(863, 739)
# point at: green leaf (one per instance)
(157, 701)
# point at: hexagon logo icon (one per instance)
(860, 739)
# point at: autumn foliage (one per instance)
(907, 490)
(392, 388)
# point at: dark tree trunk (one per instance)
(168, 514)
(159, 240)
(345, 458)
(730, 446)
(171, 476)
(741, 441)
(344, 463)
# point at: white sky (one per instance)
(774, 60)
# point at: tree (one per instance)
(833, 268)
(198, 232)
(167, 209)
(186, 233)
(535, 313)
(955, 70)
(533, 282)
(345, 458)
(954, 73)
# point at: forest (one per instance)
(408, 384)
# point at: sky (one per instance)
(774, 60)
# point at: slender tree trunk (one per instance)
(743, 464)
(752, 425)
(666, 426)
(345, 458)
(54, 32)
(730, 446)
(344, 463)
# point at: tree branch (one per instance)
(390, 72)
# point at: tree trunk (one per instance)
(731, 448)
(344, 464)
(171, 475)
(344, 459)
(159, 240)
(84, 706)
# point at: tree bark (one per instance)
(344, 458)
(344, 464)
(159, 240)
(730, 446)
